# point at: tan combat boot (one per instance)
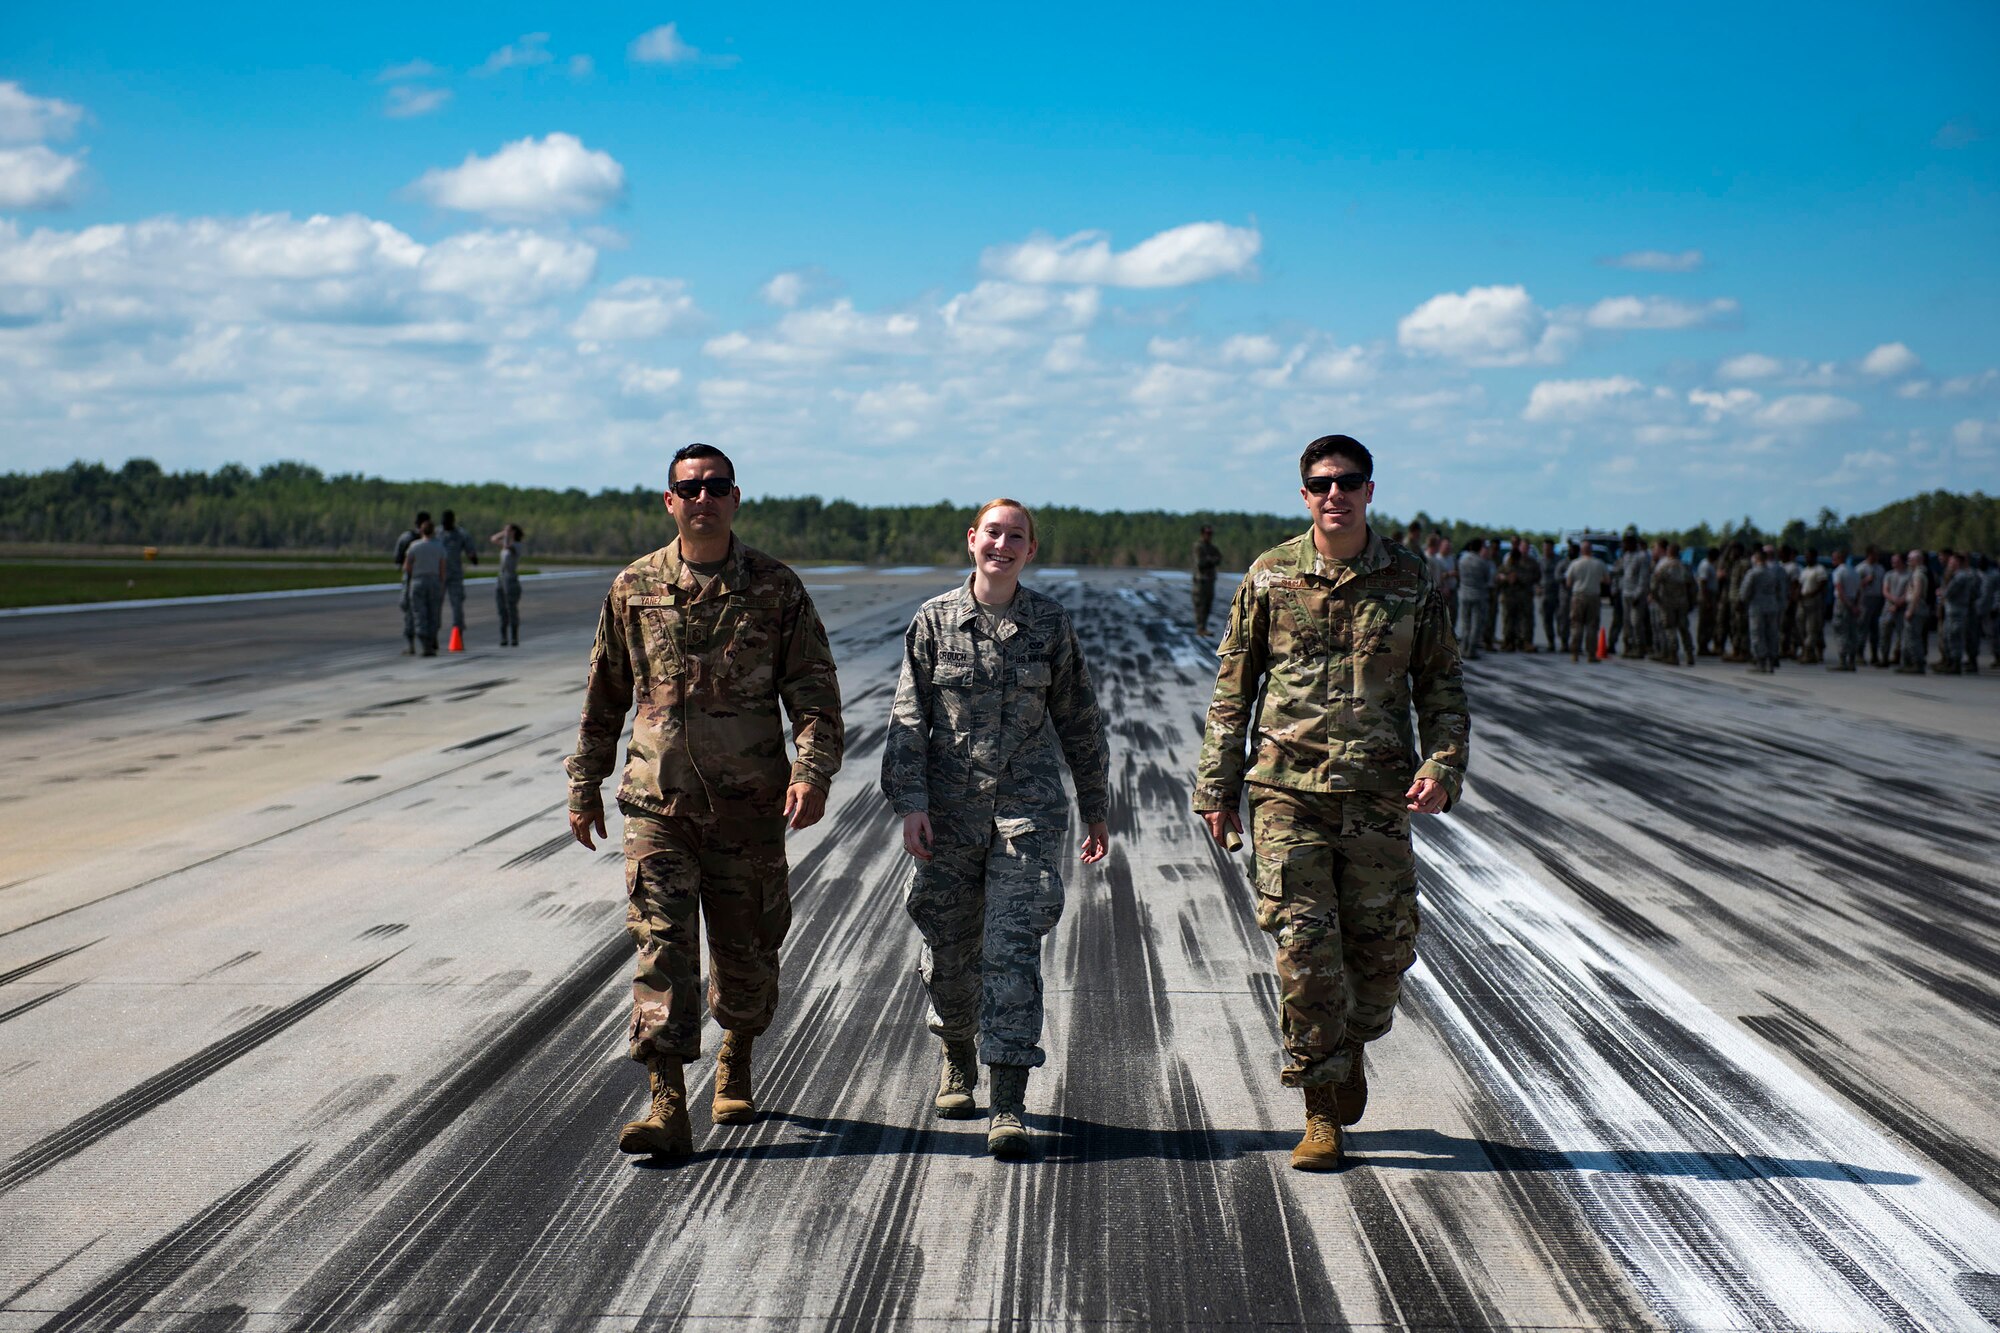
(1319, 1150)
(664, 1130)
(1007, 1136)
(1350, 1098)
(733, 1103)
(958, 1075)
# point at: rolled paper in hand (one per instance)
(1232, 840)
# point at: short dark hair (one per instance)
(687, 453)
(1336, 446)
(450, 518)
(423, 516)
(515, 528)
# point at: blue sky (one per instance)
(1559, 265)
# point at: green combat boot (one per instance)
(733, 1103)
(664, 1130)
(1319, 1150)
(1007, 1136)
(958, 1075)
(1350, 1098)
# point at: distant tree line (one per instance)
(293, 506)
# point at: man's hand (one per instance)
(804, 805)
(1425, 796)
(917, 834)
(580, 822)
(1096, 842)
(1221, 823)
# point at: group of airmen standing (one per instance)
(709, 646)
(433, 562)
(1743, 602)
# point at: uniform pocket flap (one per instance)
(957, 674)
(1033, 674)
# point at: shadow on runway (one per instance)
(1059, 1138)
(1428, 1150)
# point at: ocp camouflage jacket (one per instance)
(974, 732)
(1341, 655)
(709, 668)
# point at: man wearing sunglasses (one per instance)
(711, 637)
(1342, 633)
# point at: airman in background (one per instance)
(1671, 590)
(1586, 575)
(1475, 587)
(1332, 789)
(1707, 582)
(458, 549)
(1740, 564)
(1633, 627)
(1917, 597)
(1764, 592)
(1847, 617)
(409, 538)
(1895, 597)
(424, 566)
(1207, 560)
(1869, 574)
(1550, 590)
(1812, 608)
(1959, 598)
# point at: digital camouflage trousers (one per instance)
(1337, 888)
(983, 909)
(682, 871)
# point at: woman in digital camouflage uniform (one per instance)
(993, 697)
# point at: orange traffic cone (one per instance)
(457, 640)
(1603, 643)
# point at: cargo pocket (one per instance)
(1031, 685)
(1269, 879)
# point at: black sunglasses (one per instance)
(717, 487)
(1350, 482)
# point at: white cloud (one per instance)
(528, 180)
(26, 118)
(1802, 411)
(1657, 261)
(581, 67)
(1579, 400)
(740, 347)
(1655, 312)
(649, 381)
(784, 290)
(1890, 359)
(1340, 367)
(636, 308)
(407, 100)
(1178, 257)
(664, 45)
(840, 327)
(36, 178)
(507, 268)
(1162, 348)
(1165, 384)
(1066, 355)
(1728, 403)
(1484, 326)
(1020, 303)
(529, 51)
(1251, 349)
(1751, 366)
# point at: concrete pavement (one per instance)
(311, 1014)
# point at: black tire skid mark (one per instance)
(1417, 1277)
(1976, 1167)
(101, 1122)
(29, 1006)
(29, 969)
(1704, 1075)
(124, 1294)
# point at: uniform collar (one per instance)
(965, 610)
(676, 571)
(1306, 558)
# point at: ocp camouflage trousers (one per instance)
(1671, 636)
(983, 909)
(1337, 889)
(681, 871)
(1204, 599)
(1847, 634)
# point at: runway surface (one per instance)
(311, 1014)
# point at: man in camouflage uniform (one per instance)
(1342, 634)
(458, 549)
(1739, 608)
(1960, 599)
(711, 637)
(1586, 577)
(1669, 593)
(1765, 589)
(1207, 559)
(1917, 597)
(1812, 608)
(410, 536)
(1635, 576)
